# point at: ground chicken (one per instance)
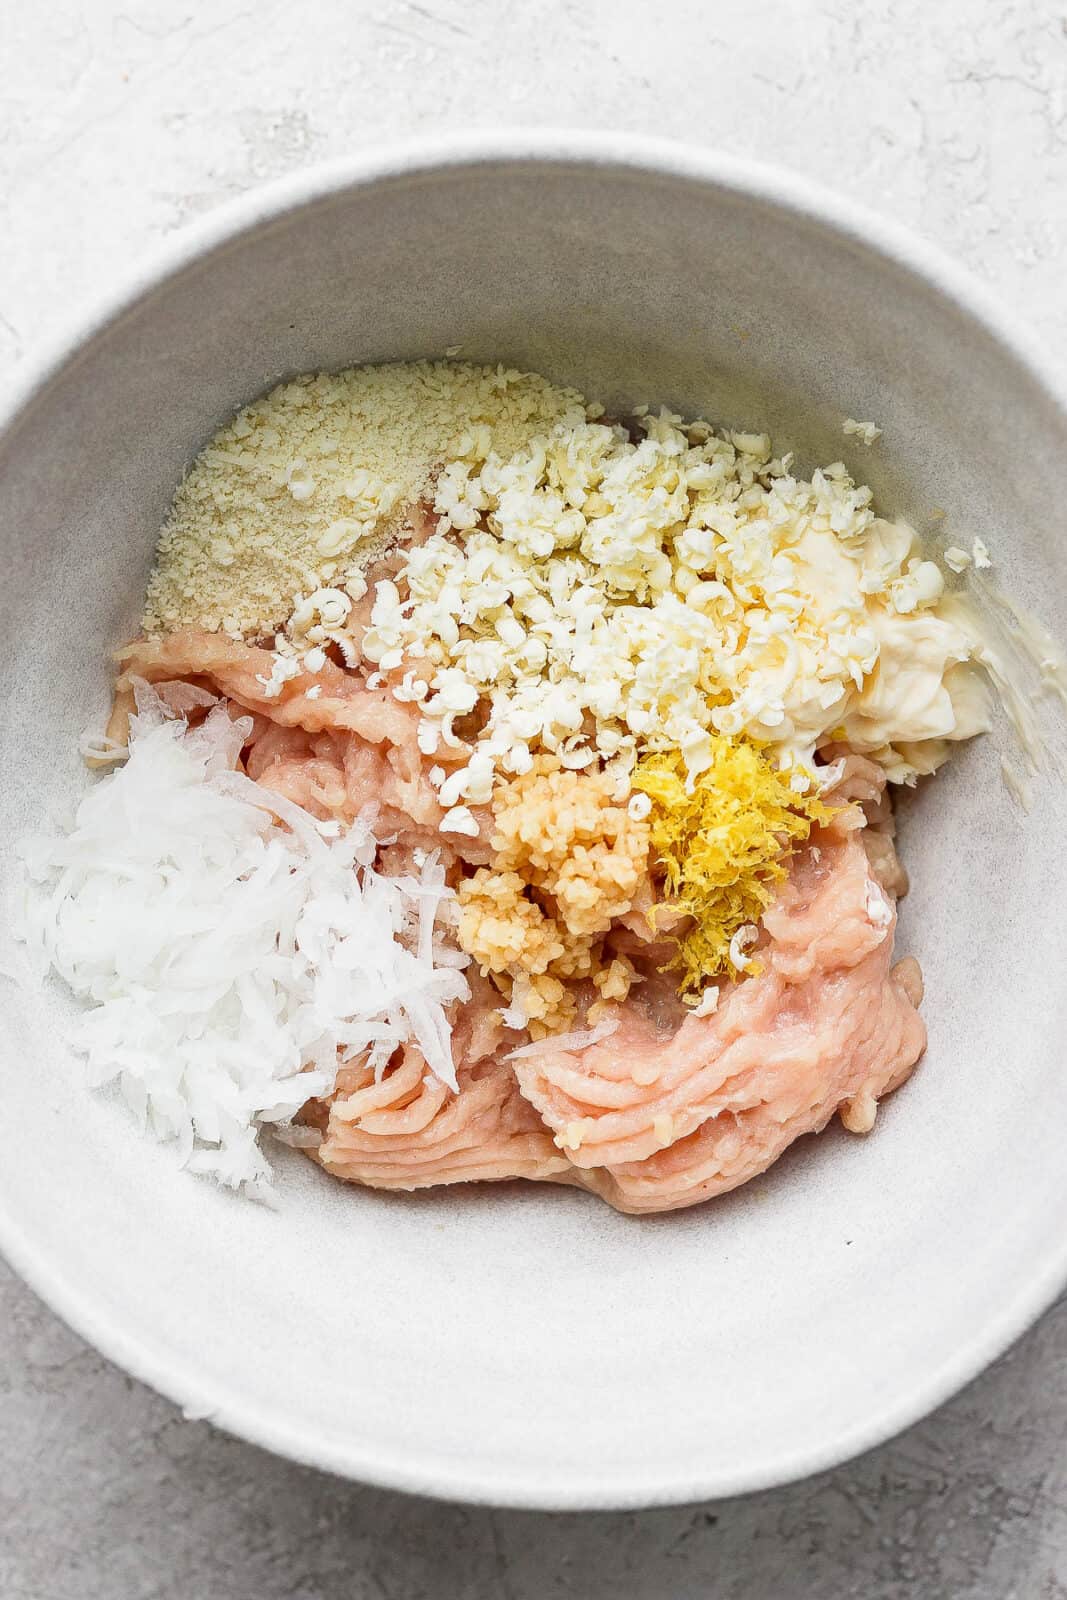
(664, 1109)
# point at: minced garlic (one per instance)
(722, 844)
(568, 860)
(306, 484)
(566, 834)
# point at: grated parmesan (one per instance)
(308, 483)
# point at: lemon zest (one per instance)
(723, 844)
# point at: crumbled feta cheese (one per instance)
(342, 536)
(283, 668)
(316, 616)
(411, 688)
(708, 1002)
(920, 585)
(427, 735)
(830, 776)
(514, 1017)
(608, 598)
(639, 807)
(460, 820)
(741, 943)
(866, 431)
(472, 782)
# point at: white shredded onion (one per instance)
(230, 950)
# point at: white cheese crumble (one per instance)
(514, 1017)
(605, 597)
(879, 908)
(741, 944)
(459, 820)
(283, 668)
(865, 431)
(708, 1003)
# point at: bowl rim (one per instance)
(449, 1477)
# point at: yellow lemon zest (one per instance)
(723, 844)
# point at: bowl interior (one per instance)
(525, 1344)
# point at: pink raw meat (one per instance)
(655, 1121)
(671, 1108)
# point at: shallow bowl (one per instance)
(526, 1346)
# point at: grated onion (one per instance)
(578, 1039)
(231, 950)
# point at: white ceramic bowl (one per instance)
(525, 1345)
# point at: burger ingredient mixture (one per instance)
(502, 790)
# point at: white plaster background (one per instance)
(119, 123)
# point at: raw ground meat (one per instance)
(334, 754)
(408, 1131)
(428, 1135)
(669, 1110)
(654, 1123)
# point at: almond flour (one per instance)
(309, 483)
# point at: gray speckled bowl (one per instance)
(526, 1346)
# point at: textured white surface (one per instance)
(123, 124)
